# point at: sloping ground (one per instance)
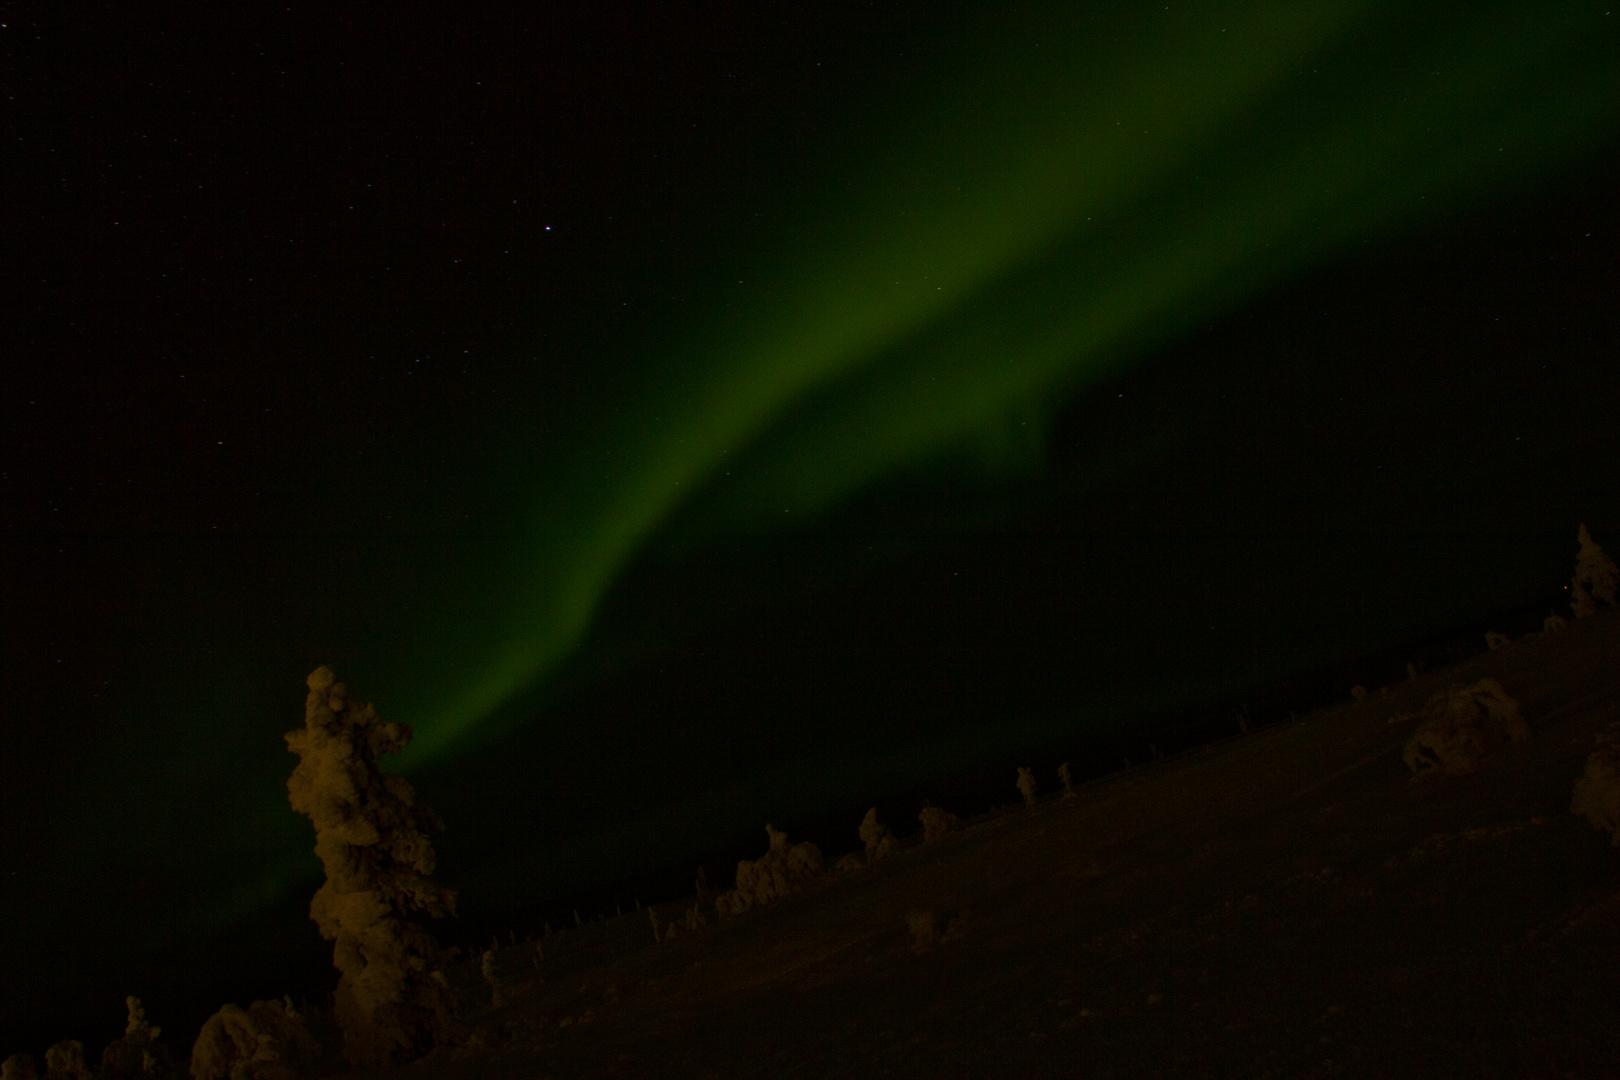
(1282, 904)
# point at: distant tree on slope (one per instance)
(1595, 577)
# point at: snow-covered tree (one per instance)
(393, 1001)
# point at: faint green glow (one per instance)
(1025, 225)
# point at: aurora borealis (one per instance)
(1009, 248)
(554, 379)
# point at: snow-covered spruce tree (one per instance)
(936, 822)
(880, 843)
(1595, 577)
(1026, 786)
(393, 1002)
(138, 1053)
(1597, 793)
(65, 1061)
(497, 996)
(784, 869)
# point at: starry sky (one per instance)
(689, 416)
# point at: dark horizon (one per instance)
(987, 788)
(305, 973)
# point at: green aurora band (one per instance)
(1019, 236)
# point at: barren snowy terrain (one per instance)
(1287, 903)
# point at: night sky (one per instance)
(692, 416)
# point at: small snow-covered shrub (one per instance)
(935, 822)
(1595, 577)
(691, 919)
(929, 929)
(1597, 793)
(1460, 725)
(1553, 623)
(65, 1061)
(1494, 641)
(261, 1042)
(924, 927)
